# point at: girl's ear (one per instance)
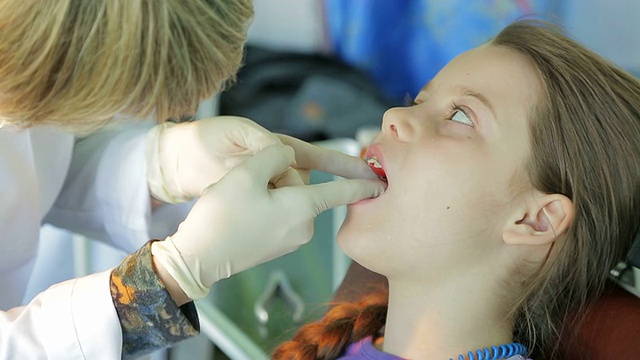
(540, 222)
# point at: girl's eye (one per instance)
(461, 117)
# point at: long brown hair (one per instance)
(76, 64)
(585, 137)
(586, 145)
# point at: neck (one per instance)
(440, 321)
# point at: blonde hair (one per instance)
(75, 64)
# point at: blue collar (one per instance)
(495, 352)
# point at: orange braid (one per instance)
(343, 324)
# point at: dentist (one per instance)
(72, 74)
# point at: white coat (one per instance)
(95, 187)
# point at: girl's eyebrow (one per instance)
(466, 92)
(462, 91)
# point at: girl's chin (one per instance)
(354, 235)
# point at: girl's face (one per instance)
(454, 162)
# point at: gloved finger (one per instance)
(232, 161)
(265, 165)
(309, 156)
(291, 177)
(327, 195)
(305, 175)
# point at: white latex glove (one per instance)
(313, 157)
(183, 159)
(239, 222)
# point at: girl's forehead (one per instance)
(490, 66)
(495, 74)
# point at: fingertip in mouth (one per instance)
(377, 169)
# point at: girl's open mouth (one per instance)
(376, 167)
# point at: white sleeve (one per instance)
(75, 319)
(105, 195)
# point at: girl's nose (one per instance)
(397, 123)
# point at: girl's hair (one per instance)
(343, 324)
(585, 138)
(76, 64)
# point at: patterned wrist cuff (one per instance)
(150, 319)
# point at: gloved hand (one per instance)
(239, 222)
(183, 159)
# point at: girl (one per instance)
(513, 188)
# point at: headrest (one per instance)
(610, 329)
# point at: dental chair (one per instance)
(611, 329)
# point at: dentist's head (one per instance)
(76, 64)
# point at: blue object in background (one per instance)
(402, 44)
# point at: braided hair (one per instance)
(343, 324)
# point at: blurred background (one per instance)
(325, 71)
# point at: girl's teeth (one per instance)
(375, 163)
